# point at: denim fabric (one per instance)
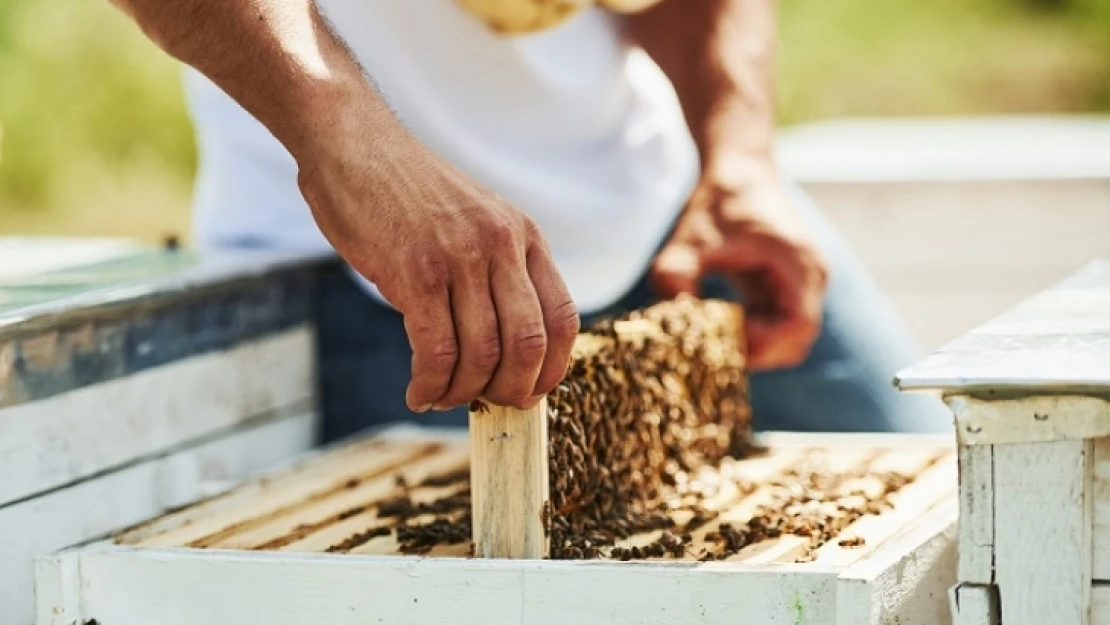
(844, 385)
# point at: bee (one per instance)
(479, 407)
(545, 517)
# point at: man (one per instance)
(489, 190)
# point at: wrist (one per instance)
(330, 113)
(736, 170)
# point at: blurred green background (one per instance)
(95, 139)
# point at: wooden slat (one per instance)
(509, 486)
(1100, 538)
(129, 587)
(976, 514)
(1100, 604)
(320, 539)
(787, 548)
(930, 487)
(1042, 506)
(320, 512)
(836, 461)
(974, 604)
(61, 439)
(318, 480)
(729, 498)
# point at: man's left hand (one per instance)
(752, 235)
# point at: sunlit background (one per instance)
(95, 139)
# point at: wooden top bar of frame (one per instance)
(329, 503)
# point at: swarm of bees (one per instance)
(648, 396)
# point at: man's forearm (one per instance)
(276, 58)
(719, 55)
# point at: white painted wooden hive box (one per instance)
(305, 544)
(134, 380)
(1030, 391)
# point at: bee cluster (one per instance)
(650, 396)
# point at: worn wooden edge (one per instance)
(217, 272)
(1100, 564)
(1034, 419)
(1100, 603)
(90, 430)
(976, 553)
(973, 604)
(906, 579)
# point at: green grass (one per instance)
(95, 139)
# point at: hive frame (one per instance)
(123, 585)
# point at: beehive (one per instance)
(1031, 395)
(335, 539)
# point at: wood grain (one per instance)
(1042, 508)
(59, 440)
(509, 482)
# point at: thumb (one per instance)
(676, 270)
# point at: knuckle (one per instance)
(529, 341)
(499, 232)
(487, 350)
(440, 356)
(471, 251)
(564, 323)
(430, 270)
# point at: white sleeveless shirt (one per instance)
(575, 126)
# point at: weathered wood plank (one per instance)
(973, 604)
(80, 433)
(1030, 419)
(976, 514)
(1100, 558)
(111, 502)
(905, 580)
(291, 589)
(1043, 514)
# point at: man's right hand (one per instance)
(486, 312)
(485, 309)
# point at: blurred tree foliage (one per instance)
(95, 139)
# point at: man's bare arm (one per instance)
(484, 307)
(276, 58)
(719, 55)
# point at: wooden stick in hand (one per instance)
(509, 481)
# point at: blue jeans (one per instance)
(845, 384)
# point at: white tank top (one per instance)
(575, 125)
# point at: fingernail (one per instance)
(423, 408)
(532, 402)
